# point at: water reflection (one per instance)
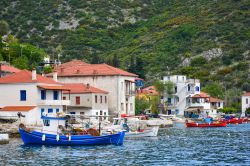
(173, 146)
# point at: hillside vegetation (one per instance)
(203, 39)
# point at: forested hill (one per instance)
(200, 38)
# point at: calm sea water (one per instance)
(174, 146)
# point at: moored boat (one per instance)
(234, 120)
(50, 135)
(212, 124)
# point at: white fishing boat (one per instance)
(133, 126)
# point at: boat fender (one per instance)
(197, 124)
(57, 137)
(69, 137)
(209, 123)
(43, 137)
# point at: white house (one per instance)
(245, 102)
(188, 99)
(184, 88)
(31, 94)
(119, 84)
(86, 100)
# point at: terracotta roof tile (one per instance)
(151, 90)
(17, 108)
(76, 68)
(25, 76)
(214, 100)
(10, 69)
(76, 88)
(201, 95)
(246, 94)
(53, 87)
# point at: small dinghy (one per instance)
(53, 124)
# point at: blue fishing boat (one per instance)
(53, 125)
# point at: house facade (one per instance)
(187, 99)
(245, 102)
(119, 84)
(183, 89)
(86, 100)
(30, 94)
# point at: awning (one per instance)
(53, 87)
(17, 108)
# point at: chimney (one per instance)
(55, 75)
(88, 86)
(33, 74)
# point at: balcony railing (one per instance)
(53, 102)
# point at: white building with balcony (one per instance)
(119, 84)
(30, 94)
(183, 89)
(86, 100)
(188, 99)
(245, 102)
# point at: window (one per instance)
(64, 97)
(43, 94)
(23, 95)
(50, 110)
(57, 110)
(131, 106)
(101, 98)
(169, 100)
(197, 89)
(82, 113)
(46, 122)
(95, 98)
(189, 87)
(73, 113)
(122, 106)
(77, 100)
(55, 95)
(175, 89)
(105, 114)
(96, 115)
(105, 99)
(246, 101)
(219, 104)
(42, 111)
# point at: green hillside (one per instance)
(204, 39)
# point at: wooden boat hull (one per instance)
(202, 125)
(236, 121)
(37, 138)
(152, 132)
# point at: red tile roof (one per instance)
(25, 76)
(10, 69)
(17, 108)
(78, 68)
(201, 95)
(76, 88)
(151, 90)
(246, 94)
(215, 100)
(53, 87)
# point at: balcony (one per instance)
(204, 105)
(53, 102)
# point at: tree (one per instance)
(4, 28)
(246, 87)
(154, 105)
(21, 62)
(214, 89)
(141, 104)
(47, 69)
